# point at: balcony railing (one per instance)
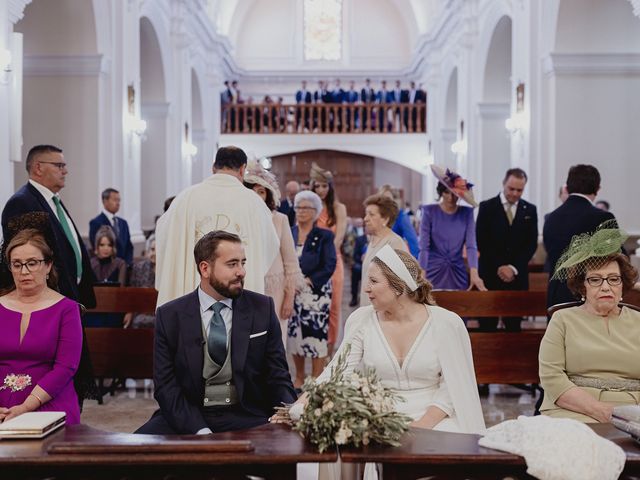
(324, 118)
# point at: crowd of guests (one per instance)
(220, 361)
(270, 114)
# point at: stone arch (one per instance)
(495, 107)
(198, 129)
(450, 119)
(155, 111)
(61, 92)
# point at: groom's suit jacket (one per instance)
(260, 371)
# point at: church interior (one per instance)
(141, 94)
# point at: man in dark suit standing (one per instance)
(303, 97)
(507, 236)
(575, 216)
(219, 363)
(111, 204)
(47, 171)
(286, 205)
(367, 96)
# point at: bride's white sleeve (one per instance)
(456, 359)
(442, 399)
(353, 336)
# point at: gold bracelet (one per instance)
(37, 398)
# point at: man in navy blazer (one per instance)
(575, 216)
(507, 236)
(47, 171)
(111, 204)
(303, 96)
(219, 363)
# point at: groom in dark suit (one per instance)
(507, 236)
(219, 363)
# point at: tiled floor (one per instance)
(130, 408)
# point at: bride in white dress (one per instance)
(418, 349)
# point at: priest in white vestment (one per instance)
(220, 202)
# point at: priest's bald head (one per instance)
(231, 161)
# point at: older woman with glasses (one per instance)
(309, 325)
(589, 356)
(41, 336)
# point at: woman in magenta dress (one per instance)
(41, 336)
(445, 230)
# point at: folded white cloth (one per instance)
(557, 448)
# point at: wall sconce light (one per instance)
(459, 147)
(136, 125)
(5, 66)
(189, 150)
(515, 123)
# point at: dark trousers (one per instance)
(356, 277)
(219, 419)
(490, 324)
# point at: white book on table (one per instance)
(32, 425)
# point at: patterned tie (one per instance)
(217, 338)
(62, 218)
(509, 214)
(116, 229)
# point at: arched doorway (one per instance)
(155, 110)
(494, 108)
(61, 95)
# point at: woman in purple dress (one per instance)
(446, 228)
(41, 336)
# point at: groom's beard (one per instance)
(231, 289)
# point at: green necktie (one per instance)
(217, 338)
(62, 218)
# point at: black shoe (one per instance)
(354, 302)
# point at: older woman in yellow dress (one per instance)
(590, 354)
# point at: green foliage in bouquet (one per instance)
(353, 409)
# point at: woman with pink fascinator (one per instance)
(280, 281)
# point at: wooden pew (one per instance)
(506, 357)
(116, 352)
(495, 303)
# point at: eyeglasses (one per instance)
(612, 280)
(32, 265)
(303, 208)
(60, 165)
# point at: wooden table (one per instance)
(81, 452)
(442, 455)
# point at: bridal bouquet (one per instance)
(350, 409)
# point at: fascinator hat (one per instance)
(586, 251)
(255, 173)
(318, 174)
(390, 258)
(457, 185)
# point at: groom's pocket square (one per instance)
(259, 334)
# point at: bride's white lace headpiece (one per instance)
(390, 258)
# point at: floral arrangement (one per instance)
(353, 409)
(16, 382)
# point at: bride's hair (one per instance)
(423, 293)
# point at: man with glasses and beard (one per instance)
(219, 363)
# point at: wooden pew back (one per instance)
(498, 303)
(117, 352)
(506, 357)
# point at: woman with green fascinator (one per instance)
(590, 354)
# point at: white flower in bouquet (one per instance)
(353, 409)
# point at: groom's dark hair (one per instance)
(230, 157)
(206, 248)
